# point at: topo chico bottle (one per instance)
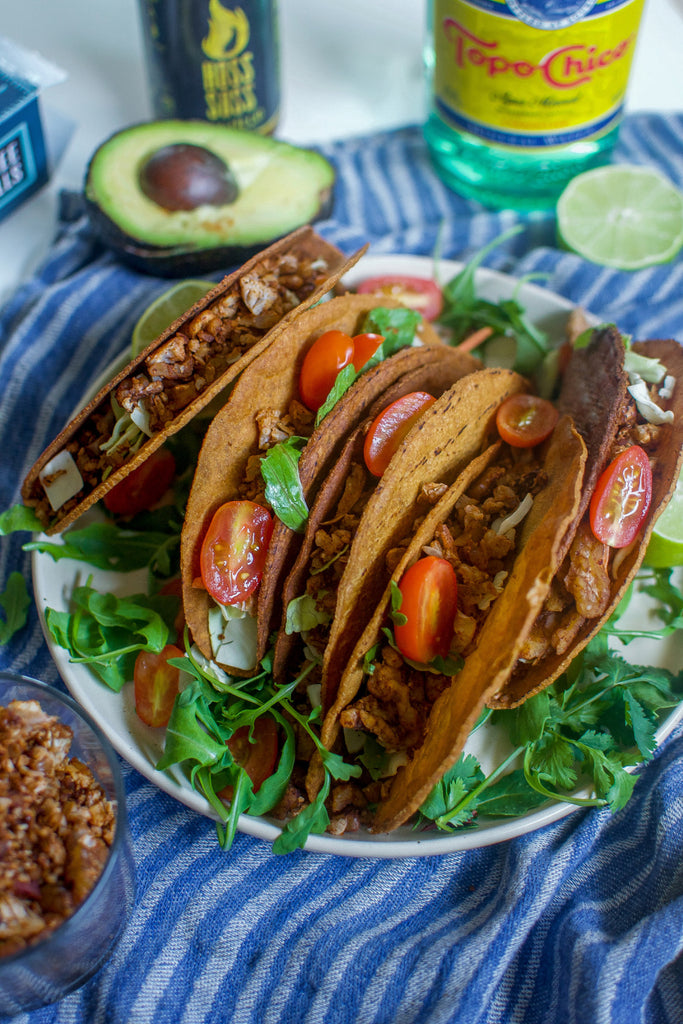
(217, 60)
(525, 94)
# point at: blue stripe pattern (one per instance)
(578, 923)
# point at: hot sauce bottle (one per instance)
(216, 60)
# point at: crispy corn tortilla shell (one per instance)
(432, 361)
(457, 708)
(593, 393)
(304, 242)
(666, 467)
(453, 431)
(444, 367)
(271, 382)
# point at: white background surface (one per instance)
(347, 69)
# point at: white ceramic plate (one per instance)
(142, 746)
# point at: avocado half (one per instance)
(177, 198)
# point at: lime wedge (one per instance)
(164, 310)
(665, 548)
(622, 215)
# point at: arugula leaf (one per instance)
(280, 470)
(107, 632)
(464, 313)
(312, 819)
(18, 518)
(109, 547)
(15, 602)
(342, 383)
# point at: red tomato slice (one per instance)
(258, 757)
(430, 601)
(622, 497)
(328, 354)
(155, 685)
(389, 428)
(420, 293)
(234, 550)
(144, 486)
(364, 348)
(525, 420)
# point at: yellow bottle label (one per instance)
(518, 84)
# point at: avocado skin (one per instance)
(113, 198)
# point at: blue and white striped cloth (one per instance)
(578, 923)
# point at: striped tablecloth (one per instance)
(578, 923)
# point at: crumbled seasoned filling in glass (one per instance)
(56, 826)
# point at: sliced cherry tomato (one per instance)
(234, 550)
(144, 486)
(259, 756)
(420, 293)
(622, 497)
(155, 685)
(429, 590)
(328, 354)
(364, 348)
(389, 428)
(525, 420)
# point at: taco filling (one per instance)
(262, 459)
(477, 539)
(620, 501)
(189, 363)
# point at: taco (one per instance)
(628, 405)
(178, 374)
(493, 539)
(264, 415)
(337, 517)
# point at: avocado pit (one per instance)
(183, 176)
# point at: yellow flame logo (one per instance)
(228, 32)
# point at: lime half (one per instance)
(665, 548)
(165, 309)
(622, 215)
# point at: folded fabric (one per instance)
(580, 922)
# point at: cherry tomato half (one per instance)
(259, 756)
(389, 428)
(525, 420)
(144, 486)
(622, 497)
(364, 348)
(429, 590)
(420, 293)
(155, 684)
(328, 354)
(234, 550)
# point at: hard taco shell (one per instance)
(82, 433)
(527, 680)
(271, 382)
(457, 708)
